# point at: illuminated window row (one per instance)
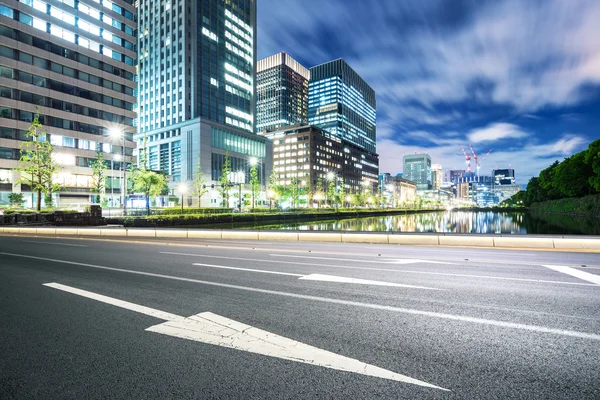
(209, 34)
(237, 82)
(238, 21)
(239, 52)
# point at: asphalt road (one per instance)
(482, 324)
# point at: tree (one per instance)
(38, 168)
(592, 158)
(254, 185)
(342, 192)
(276, 190)
(308, 190)
(319, 191)
(199, 182)
(149, 183)
(294, 192)
(16, 199)
(225, 183)
(331, 193)
(99, 169)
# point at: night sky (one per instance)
(519, 77)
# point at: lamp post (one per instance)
(329, 177)
(117, 158)
(254, 162)
(183, 189)
(118, 134)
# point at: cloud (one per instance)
(495, 132)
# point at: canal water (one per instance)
(452, 222)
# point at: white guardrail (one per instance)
(521, 241)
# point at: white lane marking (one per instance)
(224, 332)
(116, 302)
(404, 271)
(262, 271)
(504, 324)
(415, 261)
(341, 279)
(586, 276)
(54, 244)
(391, 261)
(319, 277)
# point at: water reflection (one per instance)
(452, 222)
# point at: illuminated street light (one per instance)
(117, 134)
(330, 176)
(183, 189)
(253, 161)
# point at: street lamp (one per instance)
(117, 158)
(118, 134)
(183, 189)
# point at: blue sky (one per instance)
(520, 77)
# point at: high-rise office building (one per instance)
(453, 175)
(197, 90)
(341, 102)
(72, 63)
(436, 176)
(281, 93)
(417, 168)
(308, 153)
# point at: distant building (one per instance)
(400, 192)
(453, 175)
(281, 93)
(417, 168)
(504, 176)
(436, 176)
(308, 153)
(342, 103)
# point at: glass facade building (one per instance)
(73, 63)
(197, 63)
(417, 168)
(341, 102)
(281, 93)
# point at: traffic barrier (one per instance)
(207, 234)
(365, 238)
(278, 236)
(566, 243)
(89, 232)
(428, 240)
(319, 237)
(464, 240)
(523, 242)
(172, 233)
(141, 232)
(239, 235)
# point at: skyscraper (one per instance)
(436, 176)
(73, 62)
(417, 168)
(281, 93)
(196, 88)
(341, 102)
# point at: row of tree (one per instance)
(575, 176)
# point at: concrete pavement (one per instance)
(482, 323)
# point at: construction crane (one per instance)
(467, 158)
(476, 157)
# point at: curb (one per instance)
(448, 240)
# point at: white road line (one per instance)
(342, 279)
(116, 302)
(54, 244)
(586, 276)
(262, 271)
(224, 332)
(320, 277)
(404, 271)
(452, 317)
(388, 260)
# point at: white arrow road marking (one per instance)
(320, 277)
(387, 261)
(586, 276)
(220, 331)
